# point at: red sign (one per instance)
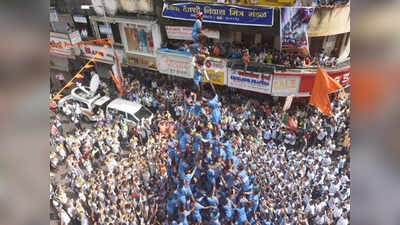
(343, 77)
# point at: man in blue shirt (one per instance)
(185, 139)
(241, 213)
(197, 33)
(197, 78)
(172, 149)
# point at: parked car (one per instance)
(88, 104)
(131, 111)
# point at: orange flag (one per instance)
(88, 66)
(116, 82)
(57, 97)
(323, 85)
(110, 41)
(79, 76)
(69, 84)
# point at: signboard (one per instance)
(250, 81)
(250, 3)
(342, 76)
(61, 46)
(185, 33)
(175, 64)
(285, 85)
(79, 19)
(90, 51)
(225, 14)
(216, 71)
(75, 37)
(104, 29)
(137, 5)
(294, 24)
(142, 61)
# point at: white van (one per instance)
(131, 111)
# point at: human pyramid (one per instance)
(208, 184)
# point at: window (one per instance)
(121, 113)
(82, 24)
(83, 105)
(139, 38)
(143, 113)
(104, 29)
(130, 117)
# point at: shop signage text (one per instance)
(227, 14)
(250, 81)
(285, 85)
(60, 46)
(175, 64)
(185, 33)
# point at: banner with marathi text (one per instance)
(250, 81)
(225, 14)
(294, 24)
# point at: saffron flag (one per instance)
(57, 97)
(291, 124)
(116, 82)
(323, 85)
(88, 66)
(69, 84)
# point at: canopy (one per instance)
(329, 21)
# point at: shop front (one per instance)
(140, 39)
(103, 65)
(61, 49)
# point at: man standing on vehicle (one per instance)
(77, 110)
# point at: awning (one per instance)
(329, 21)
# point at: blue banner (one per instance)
(227, 14)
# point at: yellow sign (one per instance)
(216, 77)
(216, 70)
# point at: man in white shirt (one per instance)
(343, 220)
(337, 211)
(321, 136)
(65, 219)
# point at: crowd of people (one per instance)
(193, 165)
(208, 156)
(262, 53)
